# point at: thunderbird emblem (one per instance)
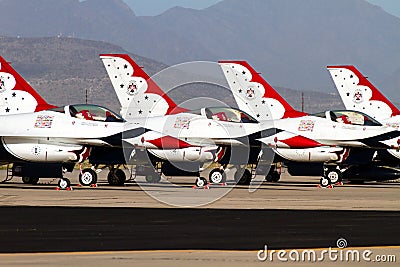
(132, 88)
(250, 93)
(2, 85)
(358, 97)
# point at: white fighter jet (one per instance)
(255, 96)
(140, 96)
(358, 93)
(68, 134)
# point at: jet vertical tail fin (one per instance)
(253, 94)
(138, 94)
(359, 94)
(16, 95)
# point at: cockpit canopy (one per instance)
(90, 112)
(349, 117)
(225, 114)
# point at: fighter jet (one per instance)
(255, 96)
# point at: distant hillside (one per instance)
(62, 69)
(290, 40)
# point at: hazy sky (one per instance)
(156, 7)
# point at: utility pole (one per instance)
(302, 101)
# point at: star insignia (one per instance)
(125, 66)
(122, 86)
(146, 97)
(243, 72)
(140, 111)
(263, 102)
(7, 109)
(258, 115)
(14, 94)
(240, 90)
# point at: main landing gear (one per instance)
(332, 175)
(217, 176)
(30, 180)
(88, 177)
(274, 173)
(116, 177)
(242, 176)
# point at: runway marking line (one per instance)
(175, 251)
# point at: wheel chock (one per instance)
(68, 188)
(339, 183)
(202, 187)
(94, 185)
(79, 185)
(328, 187)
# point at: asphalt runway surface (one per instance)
(44, 229)
(129, 224)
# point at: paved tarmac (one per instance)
(290, 193)
(195, 258)
(95, 223)
(49, 229)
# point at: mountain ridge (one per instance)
(63, 69)
(292, 41)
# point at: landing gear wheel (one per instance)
(64, 183)
(153, 178)
(325, 182)
(116, 177)
(201, 182)
(34, 180)
(245, 179)
(334, 175)
(30, 180)
(88, 177)
(273, 177)
(217, 176)
(26, 180)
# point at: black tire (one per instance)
(334, 175)
(26, 180)
(88, 177)
(34, 180)
(64, 183)
(217, 176)
(244, 179)
(153, 178)
(116, 177)
(201, 182)
(273, 177)
(276, 176)
(325, 182)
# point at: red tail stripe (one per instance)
(363, 81)
(22, 85)
(153, 88)
(270, 92)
